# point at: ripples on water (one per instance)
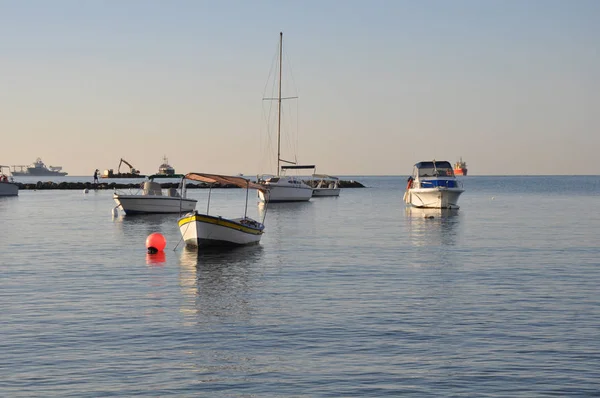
(348, 296)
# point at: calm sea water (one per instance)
(348, 296)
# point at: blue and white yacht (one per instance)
(433, 185)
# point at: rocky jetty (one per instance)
(350, 184)
(113, 185)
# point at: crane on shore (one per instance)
(132, 170)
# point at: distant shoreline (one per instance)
(49, 185)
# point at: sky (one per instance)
(512, 87)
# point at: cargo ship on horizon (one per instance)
(37, 168)
(460, 168)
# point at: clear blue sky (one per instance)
(511, 86)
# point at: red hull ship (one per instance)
(460, 168)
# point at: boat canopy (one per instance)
(165, 176)
(297, 167)
(433, 164)
(224, 179)
(433, 169)
(325, 176)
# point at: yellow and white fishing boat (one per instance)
(199, 229)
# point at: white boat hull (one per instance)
(149, 204)
(326, 192)
(277, 193)
(433, 198)
(8, 189)
(200, 230)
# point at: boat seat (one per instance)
(173, 193)
(152, 188)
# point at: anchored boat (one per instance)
(460, 168)
(165, 169)
(38, 168)
(153, 200)
(325, 185)
(433, 185)
(7, 187)
(199, 230)
(282, 188)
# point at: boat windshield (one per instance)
(435, 172)
(433, 169)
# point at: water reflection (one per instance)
(218, 284)
(156, 259)
(428, 227)
(281, 217)
(282, 208)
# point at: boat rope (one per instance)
(181, 239)
(266, 203)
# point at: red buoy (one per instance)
(155, 242)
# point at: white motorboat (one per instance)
(153, 199)
(199, 230)
(7, 187)
(325, 185)
(282, 188)
(433, 185)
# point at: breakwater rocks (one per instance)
(113, 185)
(350, 184)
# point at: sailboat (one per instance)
(282, 188)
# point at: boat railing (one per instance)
(130, 191)
(151, 190)
(138, 190)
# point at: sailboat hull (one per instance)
(276, 194)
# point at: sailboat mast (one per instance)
(279, 103)
(247, 189)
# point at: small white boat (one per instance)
(433, 185)
(325, 185)
(7, 187)
(199, 230)
(152, 200)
